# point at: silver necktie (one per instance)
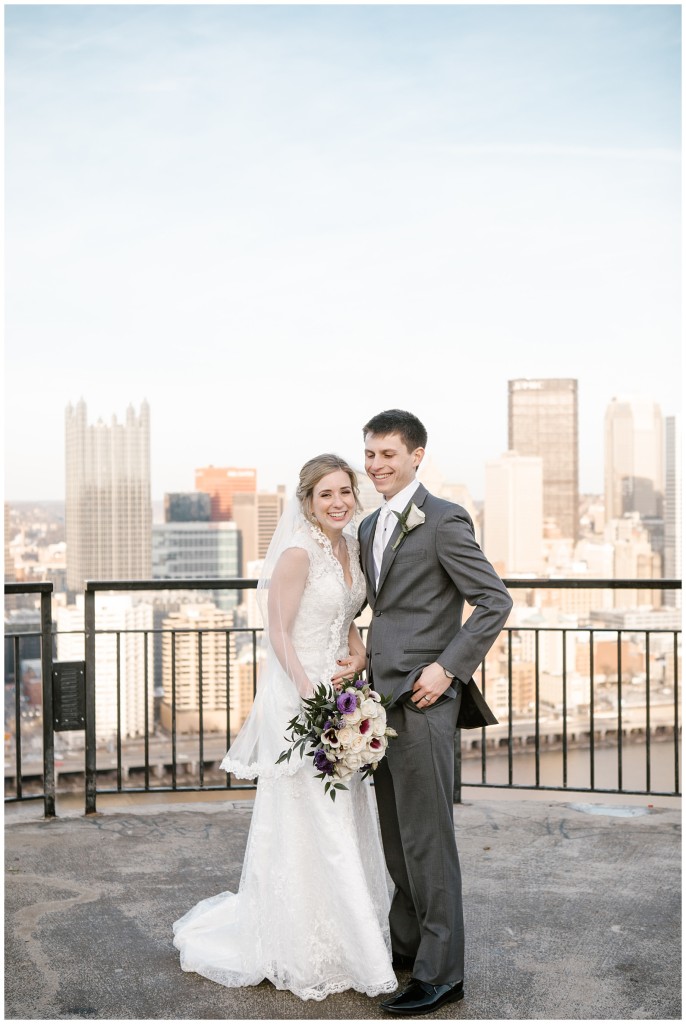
(384, 528)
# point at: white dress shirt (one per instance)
(386, 523)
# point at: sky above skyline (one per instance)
(274, 221)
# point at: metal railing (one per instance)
(44, 589)
(206, 749)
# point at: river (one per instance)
(578, 767)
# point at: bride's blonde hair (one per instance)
(312, 472)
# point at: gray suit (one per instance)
(417, 619)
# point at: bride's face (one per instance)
(333, 501)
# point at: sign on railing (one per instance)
(69, 695)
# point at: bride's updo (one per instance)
(312, 472)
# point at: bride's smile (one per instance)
(333, 503)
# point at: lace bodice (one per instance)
(328, 605)
(320, 636)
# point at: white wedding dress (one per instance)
(311, 911)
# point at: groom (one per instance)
(422, 562)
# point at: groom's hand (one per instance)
(430, 685)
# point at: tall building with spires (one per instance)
(543, 420)
(108, 513)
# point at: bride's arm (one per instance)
(285, 593)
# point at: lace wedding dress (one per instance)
(311, 912)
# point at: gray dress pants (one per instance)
(414, 793)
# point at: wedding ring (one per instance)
(425, 697)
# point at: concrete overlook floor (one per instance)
(572, 911)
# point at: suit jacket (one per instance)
(418, 605)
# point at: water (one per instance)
(578, 767)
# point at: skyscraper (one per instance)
(543, 421)
(257, 516)
(513, 513)
(108, 515)
(188, 507)
(634, 460)
(221, 483)
(673, 482)
(197, 642)
(187, 551)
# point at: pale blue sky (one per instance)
(273, 222)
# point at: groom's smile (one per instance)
(389, 464)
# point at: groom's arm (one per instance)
(478, 582)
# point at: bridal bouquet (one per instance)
(346, 730)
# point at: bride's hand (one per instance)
(354, 663)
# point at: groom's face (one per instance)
(389, 464)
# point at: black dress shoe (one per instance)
(421, 997)
(402, 962)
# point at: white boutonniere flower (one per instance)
(408, 520)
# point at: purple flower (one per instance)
(322, 763)
(346, 703)
(360, 683)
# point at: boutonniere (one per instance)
(408, 520)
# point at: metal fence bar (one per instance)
(89, 630)
(173, 707)
(564, 709)
(647, 664)
(228, 700)
(46, 689)
(119, 769)
(510, 760)
(591, 709)
(201, 724)
(619, 711)
(676, 715)
(483, 728)
(17, 718)
(146, 708)
(537, 712)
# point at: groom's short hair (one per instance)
(397, 421)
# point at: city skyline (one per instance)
(272, 222)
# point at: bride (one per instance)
(311, 911)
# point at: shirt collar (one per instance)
(400, 500)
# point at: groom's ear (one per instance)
(417, 456)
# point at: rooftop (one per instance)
(572, 910)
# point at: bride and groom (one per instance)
(312, 913)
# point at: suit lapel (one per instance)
(368, 553)
(389, 554)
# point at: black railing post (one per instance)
(591, 696)
(564, 709)
(620, 719)
(89, 630)
(17, 718)
(46, 681)
(119, 750)
(676, 715)
(647, 664)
